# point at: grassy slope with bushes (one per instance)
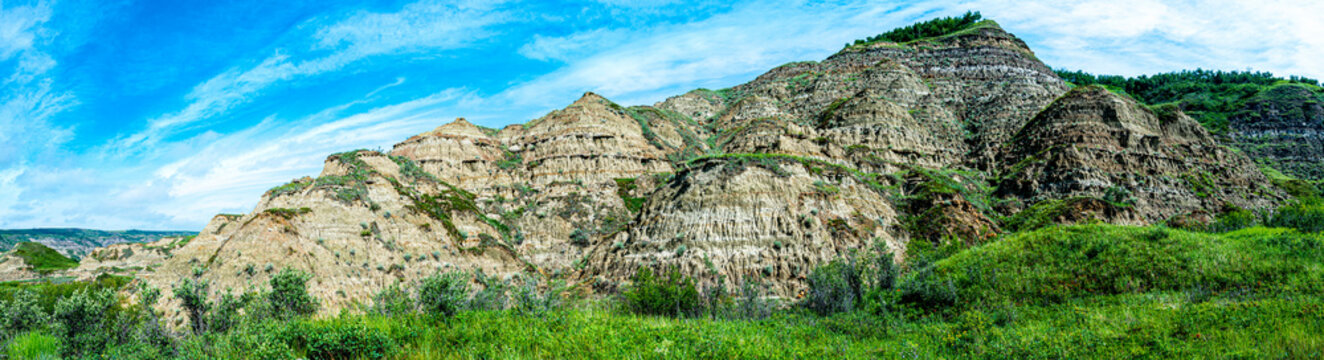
(41, 258)
(1086, 291)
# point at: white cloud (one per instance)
(28, 101)
(424, 25)
(722, 50)
(562, 48)
(231, 171)
(1134, 37)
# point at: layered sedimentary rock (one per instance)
(741, 219)
(1092, 142)
(881, 143)
(1283, 127)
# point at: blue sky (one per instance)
(159, 114)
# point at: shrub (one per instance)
(81, 319)
(226, 313)
(289, 294)
(1305, 215)
(834, 288)
(579, 238)
(21, 314)
(530, 300)
(493, 296)
(443, 293)
(192, 295)
(673, 294)
(854, 281)
(392, 301)
(1234, 218)
(341, 340)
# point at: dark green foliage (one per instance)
(858, 281)
(341, 340)
(510, 160)
(193, 297)
(1119, 196)
(287, 213)
(289, 294)
(834, 288)
(1208, 96)
(671, 294)
(623, 188)
(225, 314)
(1233, 218)
(80, 320)
(932, 28)
(392, 301)
(292, 187)
(21, 314)
(443, 294)
(42, 259)
(579, 237)
(1306, 215)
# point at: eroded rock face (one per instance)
(1094, 143)
(1284, 127)
(770, 221)
(760, 182)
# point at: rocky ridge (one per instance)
(931, 140)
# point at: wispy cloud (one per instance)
(1133, 37)
(721, 50)
(28, 101)
(425, 25)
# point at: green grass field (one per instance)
(1086, 291)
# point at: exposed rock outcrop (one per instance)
(1094, 143)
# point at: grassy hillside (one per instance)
(1087, 291)
(41, 258)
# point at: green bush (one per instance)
(21, 314)
(1306, 215)
(673, 294)
(391, 301)
(81, 320)
(834, 288)
(443, 294)
(579, 237)
(193, 297)
(289, 294)
(226, 313)
(344, 340)
(529, 299)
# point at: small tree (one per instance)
(443, 293)
(835, 287)
(289, 294)
(192, 294)
(81, 318)
(673, 294)
(226, 313)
